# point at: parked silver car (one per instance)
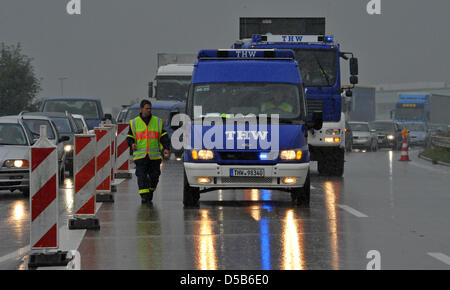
(33, 122)
(363, 137)
(15, 142)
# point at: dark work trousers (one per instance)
(147, 173)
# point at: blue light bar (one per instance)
(246, 53)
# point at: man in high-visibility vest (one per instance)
(145, 137)
(276, 104)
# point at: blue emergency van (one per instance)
(248, 124)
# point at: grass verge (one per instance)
(437, 154)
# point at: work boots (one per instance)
(146, 198)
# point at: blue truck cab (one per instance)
(248, 124)
(91, 109)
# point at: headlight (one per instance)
(68, 148)
(390, 137)
(203, 154)
(291, 154)
(16, 163)
(333, 131)
(332, 140)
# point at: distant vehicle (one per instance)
(363, 137)
(121, 116)
(163, 110)
(91, 109)
(80, 122)
(422, 107)
(348, 137)
(389, 133)
(363, 106)
(15, 142)
(33, 122)
(66, 126)
(173, 76)
(418, 133)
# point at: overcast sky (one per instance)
(109, 52)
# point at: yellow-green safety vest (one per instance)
(147, 138)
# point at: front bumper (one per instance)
(14, 178)
(383, 141)
(360, 143)
(220, 175)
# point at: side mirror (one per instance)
(108, 117)
(348, 93)
(150, 90)
(317, 121)
(353, 66)
(353, 80)
(63, 139)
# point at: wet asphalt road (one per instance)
(400, 209)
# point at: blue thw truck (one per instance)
(248, 124)
(318, 57)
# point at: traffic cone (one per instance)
(404, 156)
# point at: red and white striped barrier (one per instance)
(44, 208)
(84, 183)
(113, 153)
(44, 194)
(103, 164)
(122, 152)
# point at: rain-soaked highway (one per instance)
(400, 209)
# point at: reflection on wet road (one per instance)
(262, 229)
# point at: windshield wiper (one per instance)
(322, 70)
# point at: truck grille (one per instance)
(314, 105)
(230, 155)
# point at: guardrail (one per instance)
(440, 141)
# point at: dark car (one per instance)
(66, 126)
(163, 110)
(363, 136)
(389, 133)
(91, 109)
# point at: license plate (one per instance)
(258, 172)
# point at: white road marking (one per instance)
(68, 240)
(351, 210)
(441, 257)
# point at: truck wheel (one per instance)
(337, 164)
(191, 195)
(301, 195)
(322, 167)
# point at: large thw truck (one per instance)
(318, 57)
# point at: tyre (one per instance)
(301, 195)
(191, 195)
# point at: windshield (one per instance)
(35, 128)
(79, 124)
(409, 114)
(359, 127)
(172, 88)
(62, 125)
(217, 99)
(131, 114)
(317, 67)
(12, 134)
(86, 108)
(379, 126)
(414, 126)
